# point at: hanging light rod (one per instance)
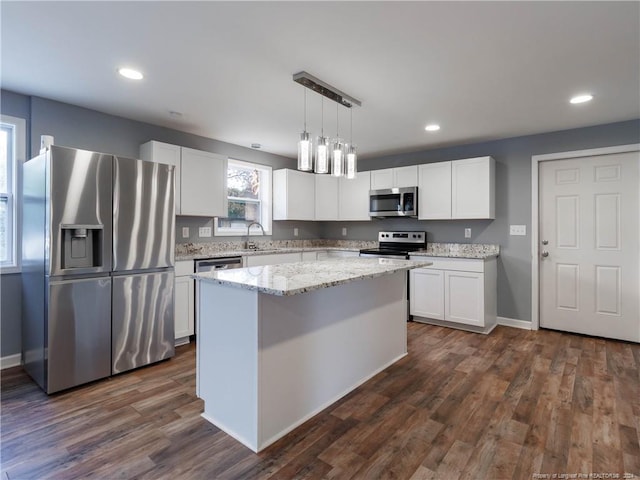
(332, 93)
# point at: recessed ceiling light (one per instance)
(130, 73)
(256, 145)
(581, 98)
(174, 114)
(432, 128)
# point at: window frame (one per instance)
(13, 194)
(265, 203)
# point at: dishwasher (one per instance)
(205, 265)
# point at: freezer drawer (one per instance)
(142, 319)
(78, 332)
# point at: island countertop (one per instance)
(300, 277)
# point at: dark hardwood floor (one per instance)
(513, 404)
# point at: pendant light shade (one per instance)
(322, 155)
(337, 158)
(337, 151)
(305, 148)
(322, 148)
(351, 162)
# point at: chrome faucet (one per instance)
(247, 244)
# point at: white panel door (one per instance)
(354, 197)
(204, 184)
(184, 307)
(590, 242)
(473, 188)
(426, 296)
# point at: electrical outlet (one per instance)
(204, 231)
(518, 230)
(467, 233)
(185, 232)
(344, 231)
(295, 232)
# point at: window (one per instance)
(249, 195)
(12, 152)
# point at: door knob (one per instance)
(545, 253)
(545, 242)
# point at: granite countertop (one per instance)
(459, 250)
(259, 251)
(300, 277)
(196, 251)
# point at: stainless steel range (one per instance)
(396, 245)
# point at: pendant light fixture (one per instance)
(337, 151)
(351, 160)
(305, 148)
(340, 157)
(322, 148)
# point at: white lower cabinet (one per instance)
(184, 303)
(455, 292)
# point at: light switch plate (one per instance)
(517, 230)
(204, 231)
(295, 232)
(185, 232)
(344, 231)
(467, 233)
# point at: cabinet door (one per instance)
(293, 195)
(165, 153)
(434, 191)
(472, 188)
(354, 197)
(326, 203)
(271, 259)
(426, 296)
(382, 179)
(184, 307)
(464, 297)
(405, 176)
(203, 184)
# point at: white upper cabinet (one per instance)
(434, 191)
(167, 154)
(326, 197)
(354, 197)
(200, 178)
(459, 189)
(293, 195)
(394, 177)
(473, 188)
(204, 184)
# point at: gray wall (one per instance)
(83, 128)
(513, 202)
(87, 129)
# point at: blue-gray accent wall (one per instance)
(83, 128)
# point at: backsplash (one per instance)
(456, 249)
(233, 246)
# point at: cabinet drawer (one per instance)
(456, 264)
(184, 267)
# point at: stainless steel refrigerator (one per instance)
(98, 254)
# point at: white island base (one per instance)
(267, 363)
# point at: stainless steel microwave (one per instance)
(394, 202)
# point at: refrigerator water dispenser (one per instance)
(81, 246)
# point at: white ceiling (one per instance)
(482, 70)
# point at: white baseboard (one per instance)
(10, 361)
(512, 322)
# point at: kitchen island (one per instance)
(277, 344)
